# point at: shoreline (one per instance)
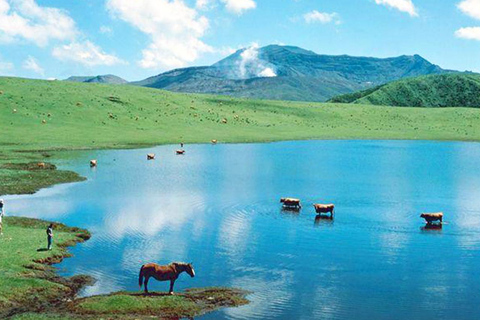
(61, 176)
(56, 296)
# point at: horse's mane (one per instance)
(183, 264)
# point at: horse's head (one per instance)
(185, 267)
(189, 270)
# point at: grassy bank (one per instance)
(41, 117)
(30, 288)
(27, 281)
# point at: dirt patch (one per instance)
(30, 166)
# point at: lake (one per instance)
(218, 207)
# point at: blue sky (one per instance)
(139, 38)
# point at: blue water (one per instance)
(218, 207)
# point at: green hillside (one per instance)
(39, 117)
(446, 90)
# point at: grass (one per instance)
(30, 288)
(40, 118)
(190, 304)
(444, 90)
(27, 281)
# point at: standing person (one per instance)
(50, 236)
(2, 213)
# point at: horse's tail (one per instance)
(140, 277)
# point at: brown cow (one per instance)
(432, 217)
(180, 152)
(93, 163)
(324, 208)
(41, 165)
(151, 156)
(291, 203)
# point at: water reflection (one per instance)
(218, 208)
(323, 220)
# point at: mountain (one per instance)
(109, 78)
(446, 90)
(290, 73)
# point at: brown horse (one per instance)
(164, 273)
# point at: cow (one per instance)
(151, 156)
(41, 165)
(93, 163)
(324, 208)
(432, 217)
(291, 203)
(180, 152)
(214, 141)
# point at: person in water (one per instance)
(50, 236)
(2, 213)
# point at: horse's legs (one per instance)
(172, 282)
(146, 284)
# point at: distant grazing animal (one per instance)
(432, 217)
(291, 203)
(41, 165)
(180, 152)
(170, 273)
(224, 121)
(151, 156)
(214, 141)
(324, 208)
(93, 163)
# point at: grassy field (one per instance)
(30, 288)
(39, 118)
(27, 282)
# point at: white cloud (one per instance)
(239, 6)
(26, 20)
(250, 65)
(402, 5)
(85, 53)
(321, 17)
(470, 33)
(204, 4)
(5, 67)
(106, 30)
(32, 64)
(470, 8)
(174, 28)
(267, 73)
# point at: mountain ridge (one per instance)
(290, 73)
(108, 78)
